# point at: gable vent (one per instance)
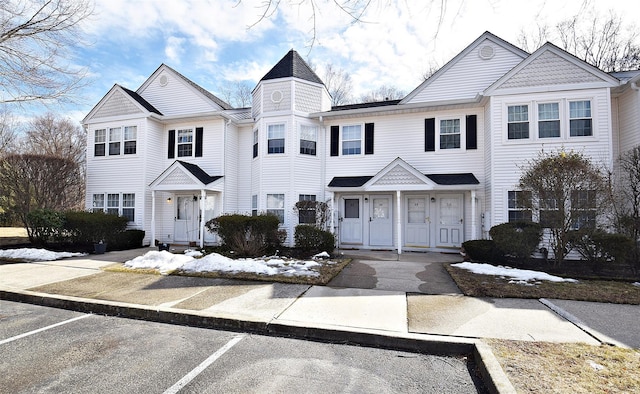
(486, 52)
(164, 80)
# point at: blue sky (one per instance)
(211, 42)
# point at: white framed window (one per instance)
(185, 142)
(351, 140)
(548, 210)
(130, 140)
(100, 140)
(583, 209)
(114, 140)
(517, 122)
(98, 202)
(549, 120)
(307, 215)
(255, 143)
(275, 205)
(113, 203)
(449, 133)
(580, 120)
(308, 139)
(275, 138)
(519, 205)
(129, 206)
(254, 205)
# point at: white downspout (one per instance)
(153, 219)
(398, 223)
(203, 196)
(474, 224)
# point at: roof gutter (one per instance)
(164, 118)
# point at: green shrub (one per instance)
(482, 250)
(311, 239)
(599, 248)
(248, 236)
(128, 239)
(517, 240)
(44, 226)
(86, 227)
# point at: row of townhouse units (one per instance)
(427, 172)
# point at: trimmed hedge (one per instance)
(248, 236)
(481, 250)
(311, 239)
(128, 239)
(86, 227)
(44, 226)
(517, 240)
(600, 248)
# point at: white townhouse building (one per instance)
(428, 172)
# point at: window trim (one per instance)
(308, 215)
(190, 143)
(528, 121)
(526, 211)
(256, 141)
(314, 141)
(102, 143)
(360, 148)
(109, 202)
(278, 211)
(538, 120)
(254, 205)
(590, 117)
(275, 150)
(461, 131)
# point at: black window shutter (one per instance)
(430, 135)
(172, 144)
(472, 131)
(368, 138)
(199, 141)
(335, 140)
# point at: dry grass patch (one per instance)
(476, 285)
(542, 367)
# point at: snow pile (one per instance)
(28, 254)
(193, 253)
(321, 255)
(636, 284)
(166, 262)
(516, 275)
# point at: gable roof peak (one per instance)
(292, 65)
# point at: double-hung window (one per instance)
(100, 140)
(580, 121)
(548, 120)
(549, 211)
(449, 133)
(130, 137)
(583, 209)
(351, 140)
(113, 204)
(114, 140)
(98, 202)
(308, 138)
(307, 212)
(275, 137)
(116, 204)
(275, 205)
(255, 143)
(519, 205)
(254, 205)
(517, 122)
(128, 206)
(185, 142)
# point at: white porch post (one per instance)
(398, 223)
(332, 222)
(153, 219)
(474, 222)
(203, 196)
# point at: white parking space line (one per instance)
(26, 334)
(203, 365)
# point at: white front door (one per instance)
(187, 215)
(450, 220)
(418, 221)
(351, 225)
(380, 221)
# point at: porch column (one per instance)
(332, 222)
(474, 223)
(398, 222)
(203, 196)
(153, 219)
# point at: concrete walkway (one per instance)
(406, 301)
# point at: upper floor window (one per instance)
(185, 142)
(352, 140)
(130, 137)
(548, 120)
(114, 140)
(308, 138)
(275, 205)
(519, 204)
(275, 137)
(517, 122)
(100, 140)
(580, 118)
(255, 143)
(449, 133)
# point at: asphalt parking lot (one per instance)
(52, 350)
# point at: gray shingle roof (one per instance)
(440, 179)
(199, 172)
(292, 65)
(141, 100)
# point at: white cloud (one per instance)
(174, 49)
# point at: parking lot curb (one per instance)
(493, 376)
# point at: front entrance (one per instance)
(351, 222)
(450, 220)
(380, 221)
(417, 222)
(186, 227)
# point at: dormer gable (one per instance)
(120, 102)
(470, 72)
(551, 68)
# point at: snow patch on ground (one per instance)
(515, 275)
(636, 284)
(29, 254)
